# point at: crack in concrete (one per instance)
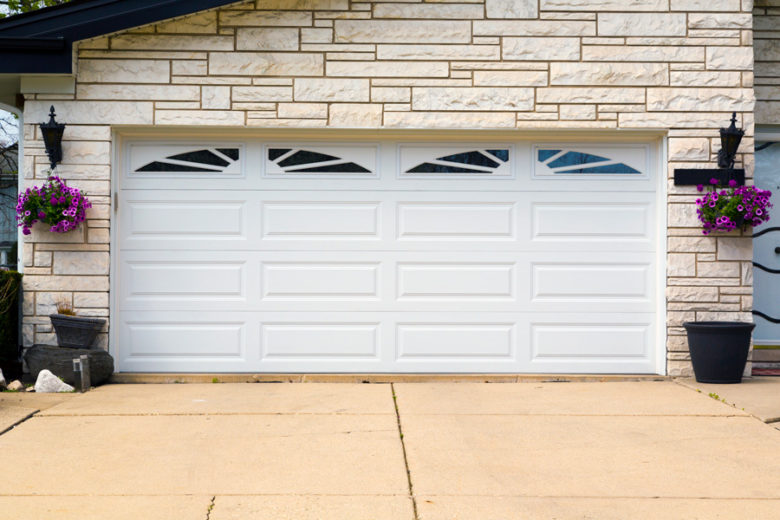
(403, 449)
(20, 421)
(211, 507)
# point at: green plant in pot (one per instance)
(719, 349)
(74, 331)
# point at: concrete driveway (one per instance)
(432, 451)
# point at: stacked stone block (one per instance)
(677, 66)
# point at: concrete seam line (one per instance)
(20, 421)
(403, 450)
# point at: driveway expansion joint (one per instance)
(403, 450)
(20, 421)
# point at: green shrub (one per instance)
(9, 315)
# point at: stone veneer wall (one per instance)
(677, 65)
(766, 15)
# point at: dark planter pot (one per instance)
(719, 349)
(75, 331)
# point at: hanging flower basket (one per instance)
(728, 208)
(55, 204)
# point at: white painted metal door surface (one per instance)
(256, 256)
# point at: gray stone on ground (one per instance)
(2, 380)
(49, 383)
(16, 386)
(60, 361)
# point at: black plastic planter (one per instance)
(75, 331)
(719, 349)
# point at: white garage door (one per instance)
(259, 256)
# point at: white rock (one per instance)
(49, 383)
(3, 384)
(16, 386)
(30, 389)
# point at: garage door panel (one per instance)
(456, 221)
(201, 280)
(320, 220)
(320, 340)
(297, 280)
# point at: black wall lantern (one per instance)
(52, 138)
(729, 143)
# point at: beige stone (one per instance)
(87, 152)
(265, 64)
(705, 5)
(510, 78)
(213, 97)
(437, 52)
(692, 294)
(589, 95)
(97, 300)
(681, 264)
(401, 69)
(718, 269)
(80, 262)
(312, 507)
(438, 11)
(577, 112)
(391, 95)
(139, 92)
(265, 18)
(331, 89)
(205, 23)
(705, 79)
(689, 149)
(177, 42)
(199, 117)
(700, 99)
(322, 5)
(42, 259)
(123, 71)
(608, 74)
(104, 112)
(266, 39)
(735, 248)
(642, 53)
(402, 31)
(474, 98)
(189, 68)
(511, 8)
(261, 94)
(730, 58)
(355, 115)
(450, 119)
(64, 283)
(642, 24)
(320, 35)
(537, 49)
(303, 110)
(534, 28)
(720, 21)
(604, 5)
(668, 120)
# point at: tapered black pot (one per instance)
(719, 349)
(76, 331)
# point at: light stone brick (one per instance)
(642, 53)
(589, 95)
(177, 42)
(104, 112)
(577, 112)
(692, 244)
(681, 264)
(541, 49)
(123, 71)
(438, 52)
(87, 152)
(321, 35)
(213, 97)
(400, 69)
(730, 58)
(669, 120)
(331, 89)
(205, 23)
(266, 63)
(610, 74)
(718, 269)
(604, 5)
(450, 120)
(303, 110)
(321, 5)
(43, 259)
(689, 149)
(189, 68)
(139, 92)
(735, 248)
(705, 79)
(391, 94)
(705, 5)
(642, 24)
(510, 78)
(473, 98)
(700, 99)
(692, 294)
(534, 28)
(93, 300)
(720, 21)
(511, 8)
(261, 94)
(49, 283)
(355, 115)
(265, 18)
(80, 262)
(266, 39)
(437, 11)
(199, 117)
(402, 31)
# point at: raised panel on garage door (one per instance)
(380, 256)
